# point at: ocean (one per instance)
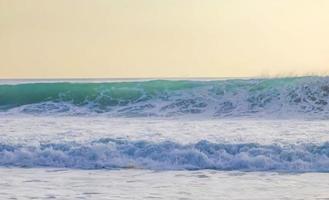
(165, 139)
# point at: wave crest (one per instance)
(257, 97)
(110, 153)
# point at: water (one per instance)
(69, 184)
(178, 139)
(305, 97)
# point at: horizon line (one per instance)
(165, 78)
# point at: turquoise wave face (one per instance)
(278, 96)
(107, 153)
(105, 94)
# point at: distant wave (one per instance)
(284, 97)
(110, 153)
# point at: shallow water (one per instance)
(40, 183)
(164, 144)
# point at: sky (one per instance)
(163, 38)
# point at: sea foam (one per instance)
(277, 97)
(110, 153)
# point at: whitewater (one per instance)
(165, 139)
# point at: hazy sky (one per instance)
(162, 38)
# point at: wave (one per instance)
(284, 97)
(107, 153)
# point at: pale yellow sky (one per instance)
(162, 38)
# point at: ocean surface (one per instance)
(165, 139)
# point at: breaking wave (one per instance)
(110, 153)
(283, 97)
